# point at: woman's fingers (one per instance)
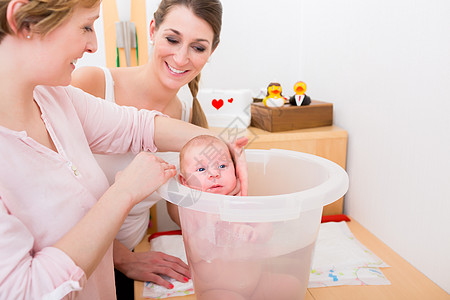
(238, 153)
(151, 265)
(144, 175)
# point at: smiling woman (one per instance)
(180, 54)
(184, 34)
(66, 25)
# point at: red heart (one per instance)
(230, 100)
(217, 103)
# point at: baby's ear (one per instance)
(182, 179)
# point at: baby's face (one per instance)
(209, 168)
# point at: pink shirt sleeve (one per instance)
(122, 129)
(28, 275)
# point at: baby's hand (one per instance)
(245, 232)
(264, 231)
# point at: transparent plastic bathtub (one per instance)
(260, 246)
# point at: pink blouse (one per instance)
(43, 193)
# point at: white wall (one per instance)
(386, 67)
(260, 43)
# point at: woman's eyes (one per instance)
(88, 28)
(199, 49)
(195, 47)
(171, 40)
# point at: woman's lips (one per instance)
(174, 70)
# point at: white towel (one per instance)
(171, 245)
(340, 259)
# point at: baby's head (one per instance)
(206, 165)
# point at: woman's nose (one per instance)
(181, 57)
(91, 45)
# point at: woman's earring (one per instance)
(28, 37)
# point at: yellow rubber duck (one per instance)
(300, 98)
(274, 97)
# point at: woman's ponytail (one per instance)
(198, 116)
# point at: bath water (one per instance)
(282, 278)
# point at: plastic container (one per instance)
(259, 246)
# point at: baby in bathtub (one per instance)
(220, 267)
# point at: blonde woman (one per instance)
(58, 214)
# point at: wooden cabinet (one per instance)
(329, 142)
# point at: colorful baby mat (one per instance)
(340, 259)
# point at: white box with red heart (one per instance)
(226, 108)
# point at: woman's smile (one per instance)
(174, 70)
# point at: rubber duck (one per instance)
(274, 98)
(300, 98)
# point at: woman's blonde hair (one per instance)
(40, 16)
(211, 12)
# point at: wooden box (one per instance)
(288, 117)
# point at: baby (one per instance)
(206, 165)
(220, 264)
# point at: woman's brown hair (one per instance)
(40, 16)
(211, 12)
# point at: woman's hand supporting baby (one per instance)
(144, 175)
(238, 154)
(141, 178)
(150, 266)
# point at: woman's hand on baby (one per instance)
(237, 151)
(151, 265)
(143, 176)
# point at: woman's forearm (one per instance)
(172, 134)
(88, 241)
